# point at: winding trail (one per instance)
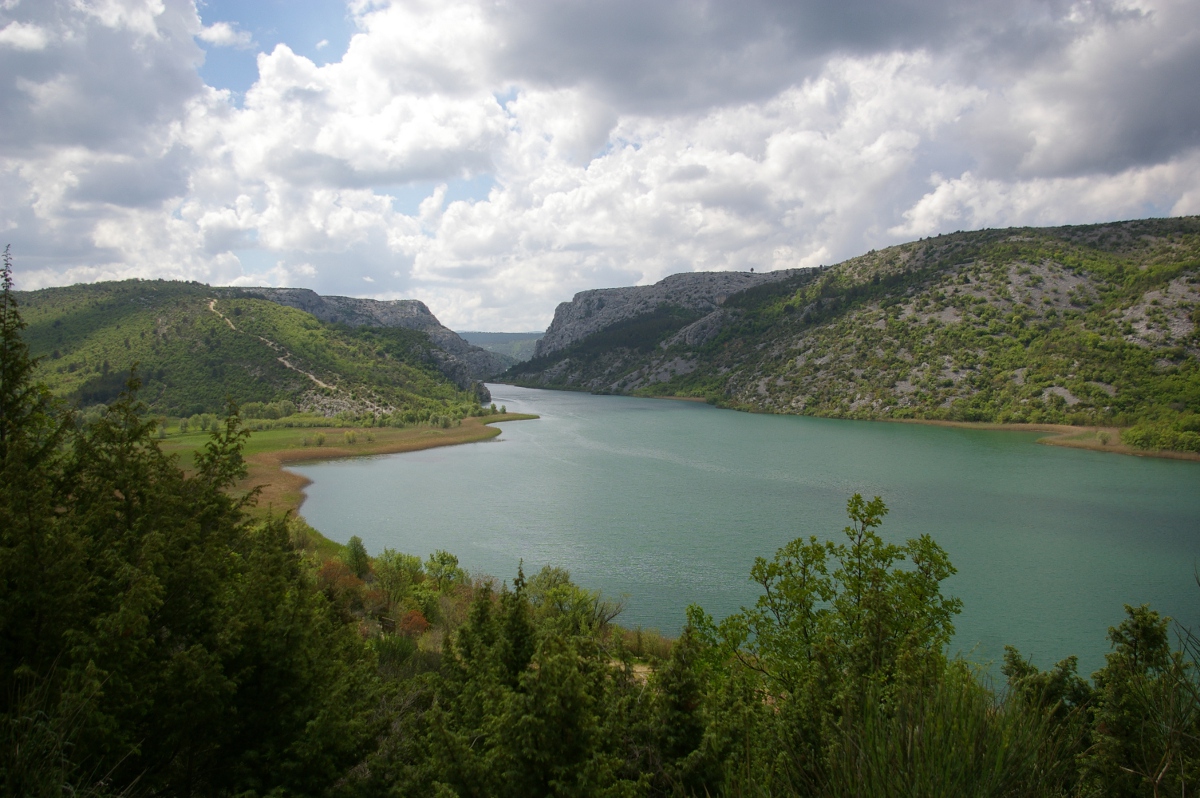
(212, 305)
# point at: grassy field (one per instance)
(269, 452)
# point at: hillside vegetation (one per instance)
(1078, 325)
(194, 351)
(158, 638)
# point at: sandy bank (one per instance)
(283, 490)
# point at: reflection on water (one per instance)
(668, 503)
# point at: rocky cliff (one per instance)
(466, 362)
(592, 311)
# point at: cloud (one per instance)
(1119, 95)
(20, 36)
(971, 201)
(223, 34)
(608, 143)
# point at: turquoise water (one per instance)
(668, 503)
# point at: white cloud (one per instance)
(140, 16)
(970, 201)
(223, 34)
(616, 151)
(20, 36)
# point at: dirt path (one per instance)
(212, 305)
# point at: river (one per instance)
(667, 503)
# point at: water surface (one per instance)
(668, 503)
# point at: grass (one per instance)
(269, 452)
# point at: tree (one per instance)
(150, 631)
(30, 425)
(443, 569)
(356, 557)
(834, 619)
(396, 573)
(870, 618)
(1147, 717)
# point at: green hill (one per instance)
(195, 346)
(514, 346)
(1090, 324)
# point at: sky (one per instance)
(493, 157)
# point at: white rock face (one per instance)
(591, 311)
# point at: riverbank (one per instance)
(1096, 439)
(269, 452)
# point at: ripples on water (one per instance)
(668, 503)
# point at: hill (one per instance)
(1091, 324)
(196, 345)
(410, 314)
(514, 347)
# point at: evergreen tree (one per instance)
(151, 633)
(356, 557)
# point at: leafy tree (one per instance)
(443, 569)
(553, 597)
(356, 557)
(396, 573)
(834, 619)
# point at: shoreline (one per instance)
(1064, 435)
(283, 490)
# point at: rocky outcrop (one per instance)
(592, 311)
(466, 363)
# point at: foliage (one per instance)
(835, 621)
(357, 559)
(1076, 325)
(1147, 718)
(151, 634)
(155, 639)
(192, 360)
(951, 739)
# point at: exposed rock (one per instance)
(698, 333)
(1057, 390)
(592, 311)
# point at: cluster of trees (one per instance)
(271, 410)
(1180, 434)
(154, 639)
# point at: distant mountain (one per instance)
(1086, 324)
(515, 347)
(196, 345)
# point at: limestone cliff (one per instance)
(592, 311)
